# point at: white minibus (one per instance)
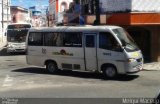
(106, 49)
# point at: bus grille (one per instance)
(139, 60)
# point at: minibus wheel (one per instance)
(110, 71)
(51, 67)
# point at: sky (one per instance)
(29, 3)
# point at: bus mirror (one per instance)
(5, 34)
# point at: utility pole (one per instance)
(81, 18)
(2, 14)
(7, 12)
(47, 16)
(2, 19)
(97, 10)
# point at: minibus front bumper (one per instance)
(134, 67)
(9, 50)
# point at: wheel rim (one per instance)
(110, 72)
(51, 67)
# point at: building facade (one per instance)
(141, 18)
(19, 15)
(39, 15)
(57, 8)
(5, 18)
(36, 16)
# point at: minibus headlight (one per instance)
(10, 46)
(131, 60)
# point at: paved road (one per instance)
(17, 79)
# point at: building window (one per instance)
(63, 6)
(14, 18)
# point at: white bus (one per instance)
(16, 36)
(105, 49)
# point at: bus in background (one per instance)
(104, 49)
(16, 36)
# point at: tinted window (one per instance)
(58, 39)
(72, 39)
(90, 41)
(67, 39)
(107, 41)
(35, 39)
(50, 39)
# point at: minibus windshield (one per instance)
(126, 40)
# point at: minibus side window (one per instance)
(58, 39)
(50, 39)
(90, 41)
(63, 39)
(72, 39)
(35, 39)
(53, 39)
(107, 41)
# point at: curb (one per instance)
(154, 66)
(150, 69)
(2, 45)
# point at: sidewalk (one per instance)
(153, 66)
(2, 44)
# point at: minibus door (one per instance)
(90, 52)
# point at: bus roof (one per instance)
(72, 28)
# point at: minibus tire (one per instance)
(51, 67)
(109, 72)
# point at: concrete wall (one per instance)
(6, 19)
(20, 16)
(130, 5)
(115, 5)
(159, 47)
(61, 9)
(61, 1)
(155, 43)
(57, 16)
